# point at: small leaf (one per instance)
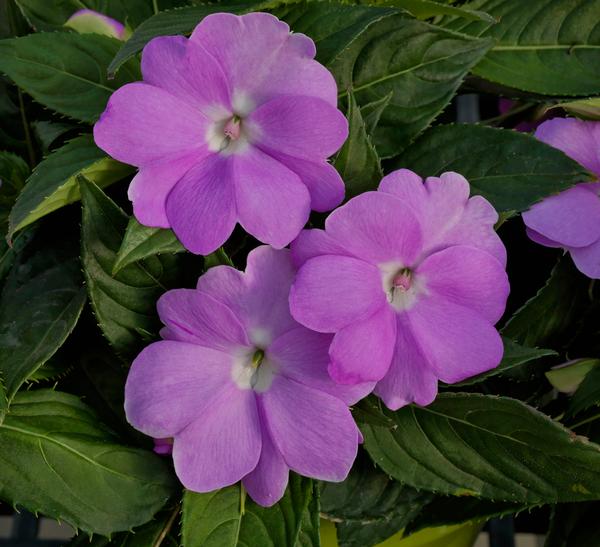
(486, 446)
(65, 71)
(142, 242)
(357, 162)
(217, 519)
(588, 109)
(587, 394)
(512, 170)
(53, 184)
(568, 376)
(60, 461)
(124, 304)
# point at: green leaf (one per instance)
(514, 355)
(564, 293)
(57, 459)
(425, 9)
(39, 307)
(512, 170)
(142, 242)
(371, 113)
(420, 64)
(53, 183)
(368, 507)
(553, 49)
(486, 446)
(573, 525)
(124, 304)
(227, 518)
(588, 109)
(166, 23)
(568, 376)
(13, 174)
(48, 132)
(65, 71)
(357, 162)
(587, 394)
(44, 15)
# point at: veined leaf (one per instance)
(510, 169)
(59, 460)
(216, 519)
(142, 242)
(486, 446)
(588, 109)
(551, 47)
(425, 9)
(587, 394)
(53, 184)
(65, 71)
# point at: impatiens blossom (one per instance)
(234, 124)
(411, 279)
(90, 21)
(571, 219)
(241, 387)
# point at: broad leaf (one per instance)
(425, 9)
(552, 49)
(228, 518)
(59, 460)
(142, 242)
(514, 356)
(368, 507)
(510, 169)
(65, 71)
(587, 394)
(357, 162)
(53, 184)
(44, 15)
(491, 447)
(39, 307)
(564, 293)
(124, 304)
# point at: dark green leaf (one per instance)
(13, 174)
(59, 460)
(124, 304)
(425, 9)
(44, 15)
(587, 394)
(491, 447)
(142, 242)
(552, 48)
(573, 525)
(310, 527)
(368, 507)
(371, 113)
(357, 162)
(564, 293)
(48, 132)
(217, 520)
(510, 169)
(65, 71)
(588, 109)
(53, 183)
(515, 355)
(39, 307)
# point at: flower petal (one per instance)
(571, 218)
(170, 384)
(362, 351)
(143, 124)
(222, 445)
(303, 355)
(150, 187)
(409, 378)
(267, 482)
(196, 317)
(331, 292)
(469, 277)
(201, 208)
(457, 342)
(303, 127)
(587, 259)
(272, 203)
(313, 243)
(541, 240)
(314, 431)
(377, 227)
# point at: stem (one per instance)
(167, 527)
(586, 421)
(30, 150)
(155, 6)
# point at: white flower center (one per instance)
(230, 132)
(401, 285)
(253, 371)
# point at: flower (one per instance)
(241, 387)
(233, 125)
(411, 280)
(90, 21)
(571, 219)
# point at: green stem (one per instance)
(155, 6)
(30, 150)
(586, 421)
(167, 527)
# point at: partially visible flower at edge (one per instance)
(410, 279)
(571, 219)
(234, 124)
(241, 387)
(87, 21)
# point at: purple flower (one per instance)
(241, 386)
(571, 219)
(90, 21)
(233, 125)
(411, 280)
